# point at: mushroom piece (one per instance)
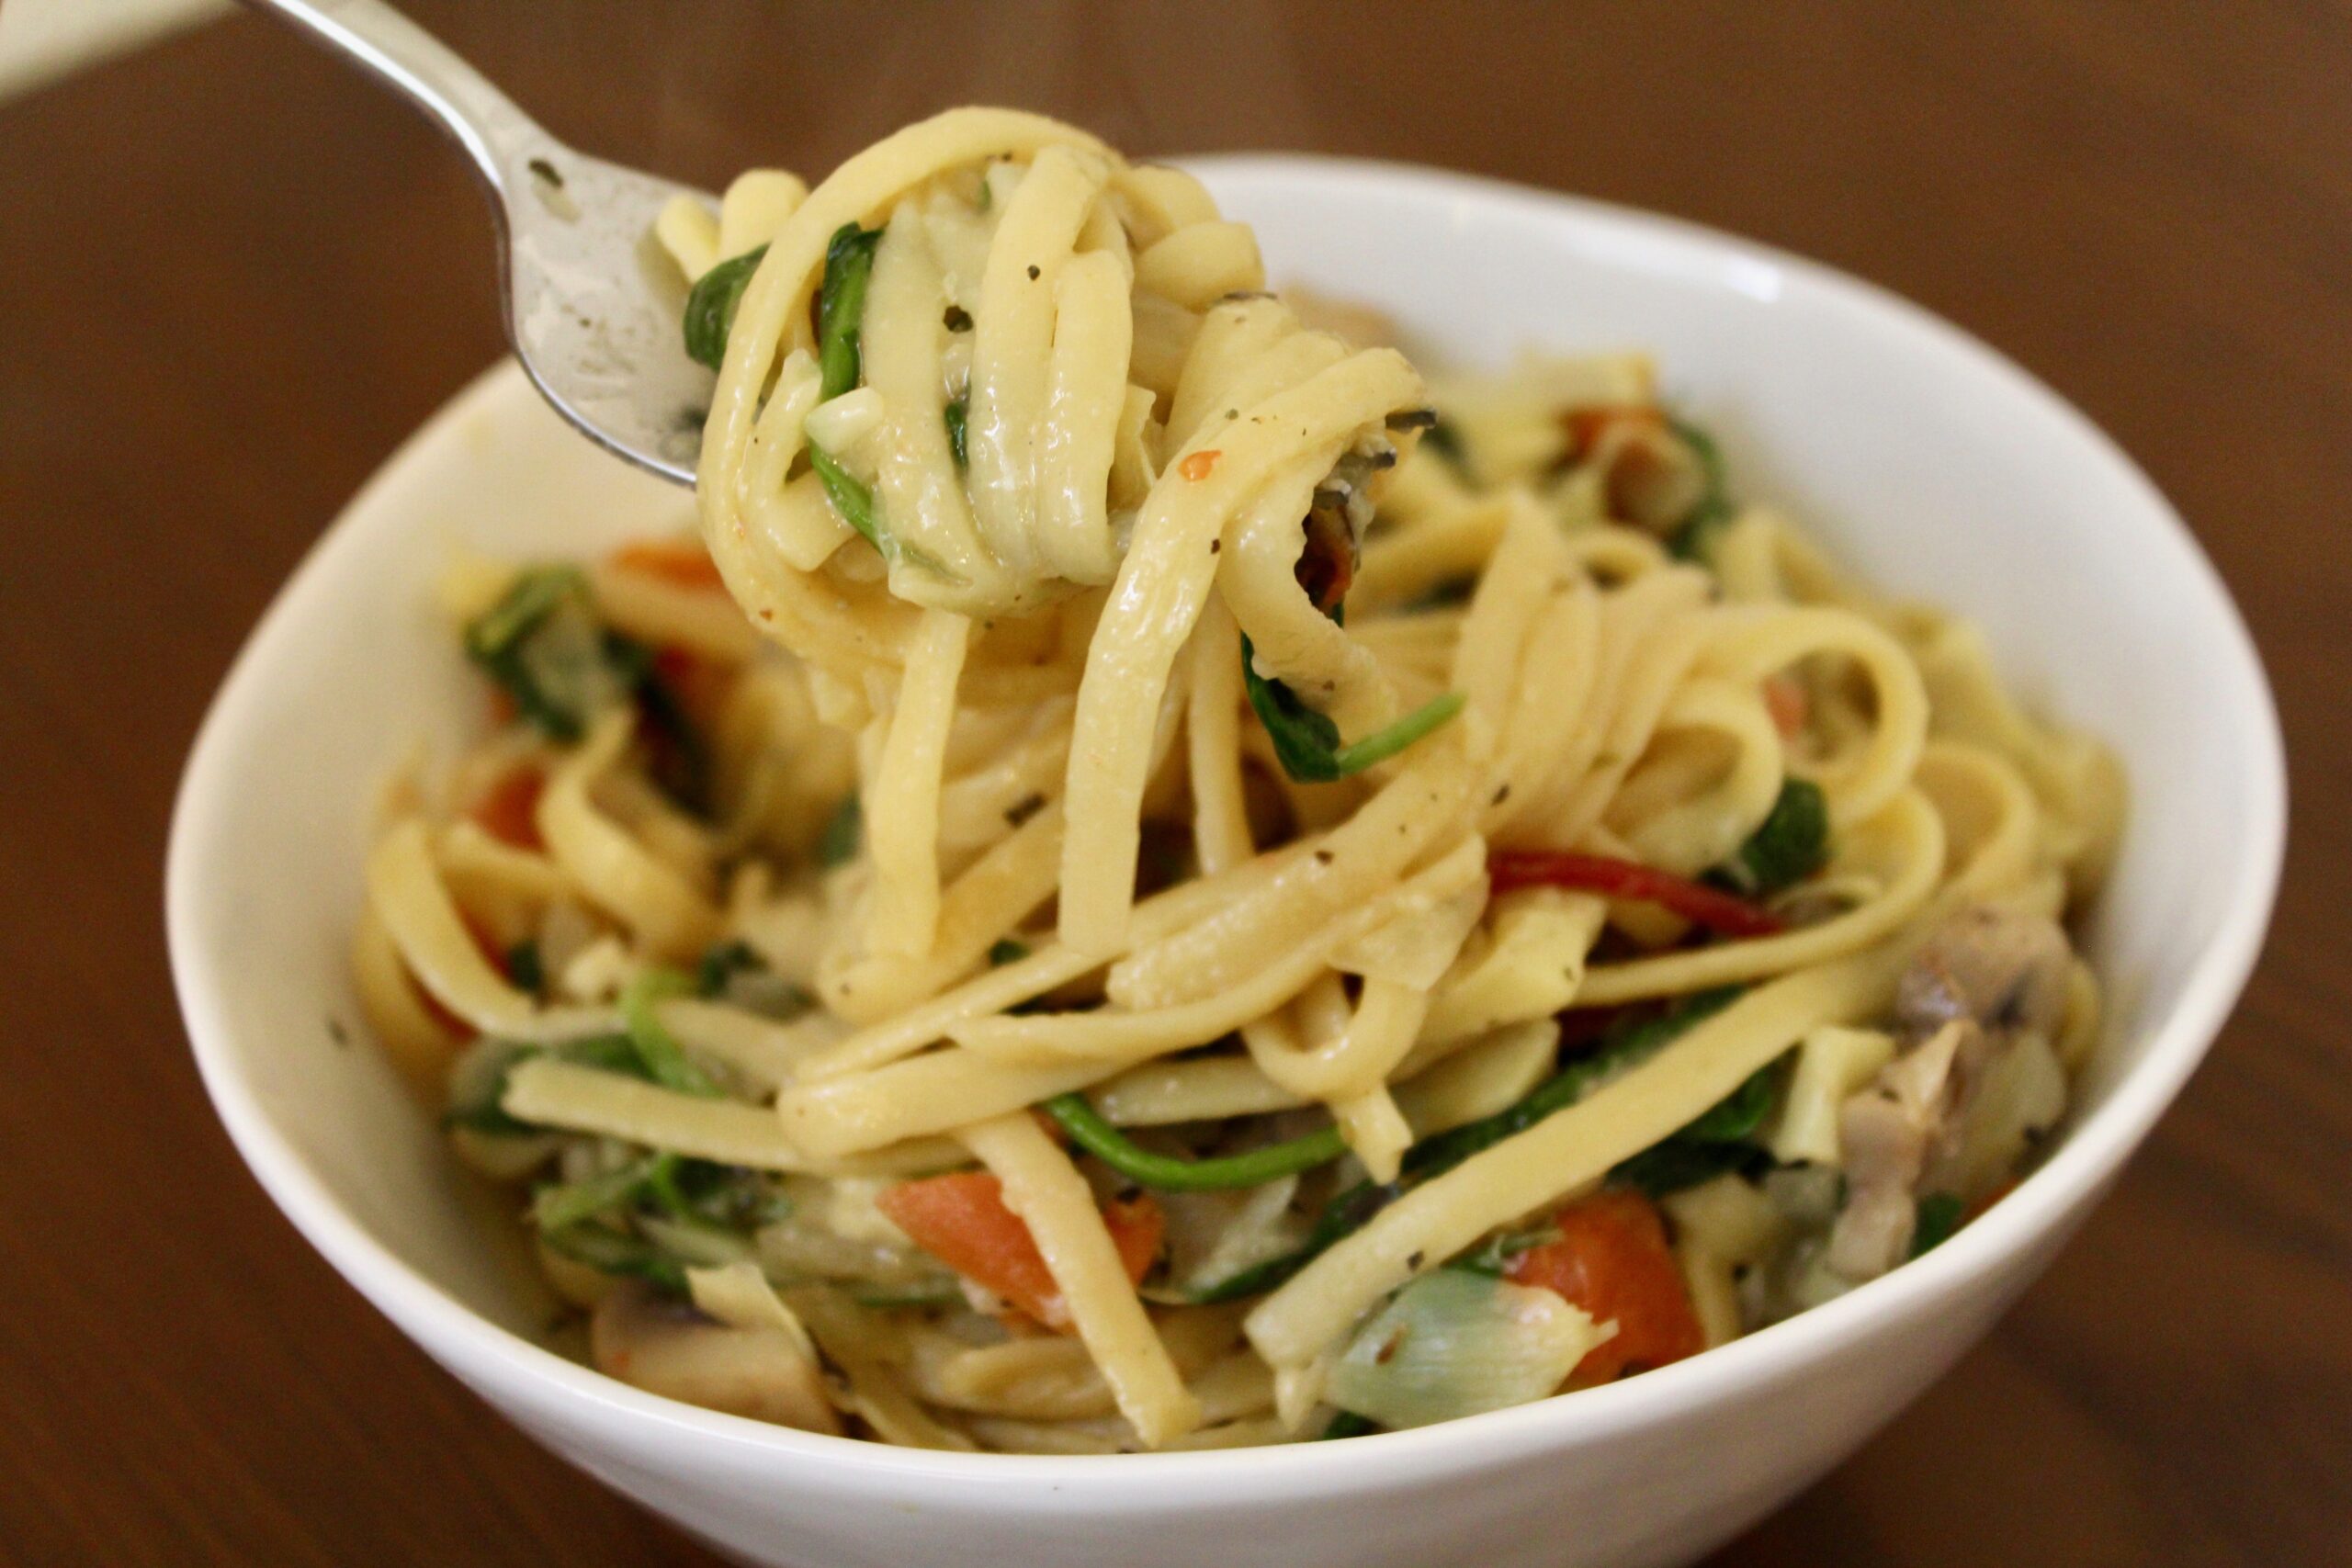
(668, 1347)
(2002, 968)
(1888, 1132)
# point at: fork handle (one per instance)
(498, 136)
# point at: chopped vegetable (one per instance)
(610, 1251)
(961, 1220)
(925, 1294)
(1940, 1217)
(837, 845)
(1494, 1255)
(523, 968)
(1721, 1139)
(665, 1061)
(1612, 1260)
(1694, 536)
(543, 646)
(478, 1081)
(711, 304)
(1623, 1046)
(1626, 1043)
(1348, 1423)
(1005, 950)
(1446, 441)
(1088, 1129)
(1717, 910)
(556, 1205)
(661, 679)
(841, 306)
(735, 973)
(958, 413)
(1454, 1343)
(1788, 846)
(722, 963)
(850, 496)
(1307, 742)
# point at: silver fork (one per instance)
(586, 308)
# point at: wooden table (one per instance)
(231, 277)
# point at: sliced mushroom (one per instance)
(2002, 968)
(667, 1346)
(1888, 1132)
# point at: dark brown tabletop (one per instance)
(233, 276)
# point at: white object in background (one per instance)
(43, 39)
(1926, 460)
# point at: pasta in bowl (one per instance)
(1243, 895)
(1912, 454)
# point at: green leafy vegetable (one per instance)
(1090, 1132)
(837, 845)
(924, 1294)
(722, 963)
(609, 1251)
(1788, 846)
(1499, 1249)
(680, 762)
(1715, 1143)
(850, 496)
(841, 306)
(525, 968)
(1348, 1423)
(478, 1082)
(1307, 742)
(1446, 441)
(556, 1205)
(1694, 536)
(543, 647)
(665, 1061)
(957, 412)
(711, 304)
(1624, 1045)
(1940, 1217)
(1004, 951)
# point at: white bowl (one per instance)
(1925, 459)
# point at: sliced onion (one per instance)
(1453, 1343)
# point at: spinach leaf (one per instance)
(609, 1251)
(722, 963)
(1307, 743)
(524, 967)
(1446, 441)
(956, 414)
(841, 306)
(478, 1083)
(1939, 1217)
(710, 306)
(837, 845)
(1625, 1044)
(543, 646)
(664, 1060)
(1715, 1142)
(1788, 846)
(1694, 536)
